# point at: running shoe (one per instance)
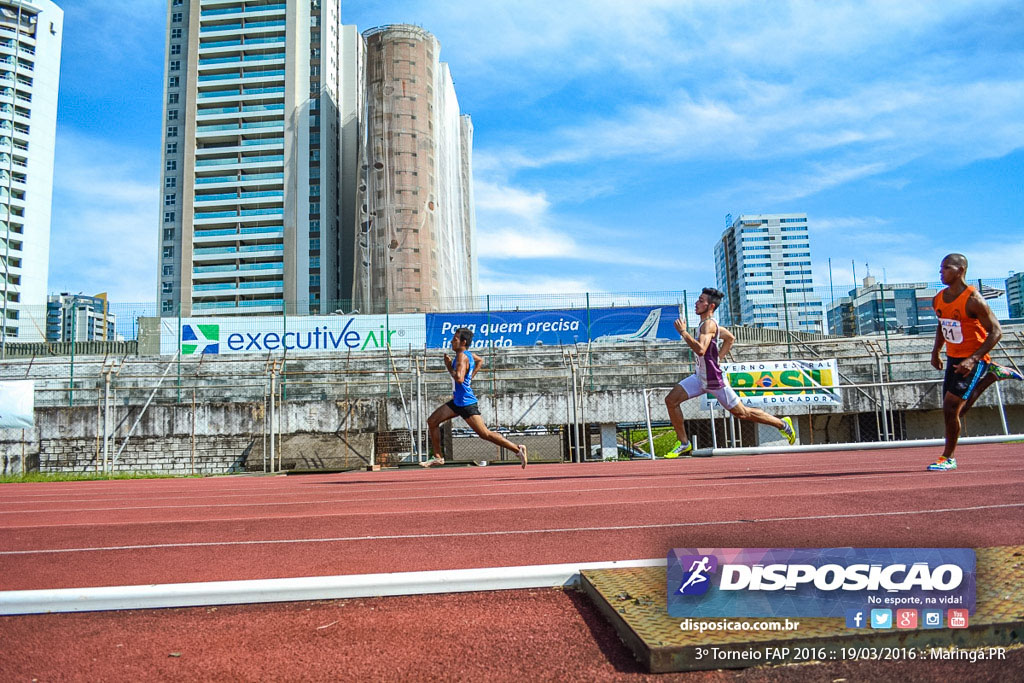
(943, 465)
(679, 449)
(1002, 372)
(433, 461)
(788, 431)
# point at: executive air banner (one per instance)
(782, 383)
(339, 334)
(555, 327)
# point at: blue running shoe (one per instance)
(943, 465)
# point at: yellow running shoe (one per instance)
(679, 449)
(788, 431)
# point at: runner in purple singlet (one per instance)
(709, 378)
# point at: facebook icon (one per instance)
(855, 618)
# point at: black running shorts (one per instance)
(465, 412)
(959, 385)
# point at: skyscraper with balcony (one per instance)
(763, 265)
(250, 201)
(31, 32)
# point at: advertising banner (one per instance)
(819, 582)
(17, 404)
(308, 334)
(782, 383)
(554, 327)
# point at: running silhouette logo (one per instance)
(697, 573)
(200, 339)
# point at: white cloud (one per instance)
(105, 219)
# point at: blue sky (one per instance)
(611, 138)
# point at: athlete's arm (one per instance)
(461, 368)
(977, 308)
(701, 343)
(478, 363)
(939, 341)
(727, 341)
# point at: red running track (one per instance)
(80, 534)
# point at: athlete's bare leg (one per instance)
(434, 422)
(675, 398)
(756, 415)
(480, 427)
(986, 381)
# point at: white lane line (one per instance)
(447, 496)
(305, 588)
(405, 485)
(504, 532)
(316, 515)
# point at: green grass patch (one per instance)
(664, 440)
(81, 476)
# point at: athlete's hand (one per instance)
(965, 366)
(936, 361)
(447, 362)
(679, 325)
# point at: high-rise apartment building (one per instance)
(250, 202)
(414, 247)
(31, 32)
(876, 308)
(79, 318)
(763, 265)
(1015, 294)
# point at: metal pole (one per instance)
(885, 328)
(714, 436)
(284, 355)
(280, 435)
(192, 454)
(71, 388)
(179, 352)
(647, 414)
(575, 442)
(106, 419)
(785, 307)
(1002, 409)
(881, 398)
(273, 392)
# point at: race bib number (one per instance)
(951, 330)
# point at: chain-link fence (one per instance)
(877, 308)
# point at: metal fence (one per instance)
(844, 310)
(571, 403)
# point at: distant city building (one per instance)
(763, 265)
(252, 204)
(414, 247)
(1015, 294)
(875, 308)
(30, 48)
(79, 317)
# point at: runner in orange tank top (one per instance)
(969, 331)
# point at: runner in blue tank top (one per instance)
(464, 403)
(709, 378)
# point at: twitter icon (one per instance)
(881, 618)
